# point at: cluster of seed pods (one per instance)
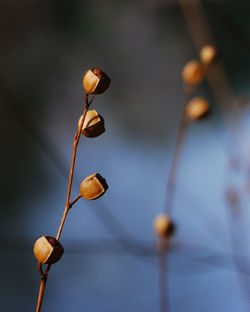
(47, 249)
(197, 107)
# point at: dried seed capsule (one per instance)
(93, 125)
(193, 72)
(48, 250)
(93, 186)
(197, 108)
(95, 81)
(208, 54)
(163, 226)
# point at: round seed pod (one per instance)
(95, 81)
(48, 250)
(208, 54)
(197, 108)
(193, 72)
(93, 125)
(163, 226)
(93, 187)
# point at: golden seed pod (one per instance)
(193, 72)
(163, 226)
(95, 81)
(48, 250)
(197, 108)
(208, 54)
(93, 186)
(93, 125)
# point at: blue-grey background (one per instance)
(110, 261)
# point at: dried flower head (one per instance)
(193, 72)
(48, 250)
(163, 226)
(208, 54)
(94, 186)
(197, 108)
(95, 81)
(93, 125)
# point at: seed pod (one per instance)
(93, 186)
(95, 81)
(197, 108)
(193, 72)
(93, 125)
(48, 250)
(208, 54)
(163, 226)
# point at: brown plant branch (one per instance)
(68, 204)
(162, 268)
(74, 200)
(168, 207)
(177, 151)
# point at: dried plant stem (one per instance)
(162, 254)
(177, 152)
(75, 144)
(162, 257)
(44, 276)
(68, 204)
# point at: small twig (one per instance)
(40, 269)
(74, 200)
(75, 144)
(177, 151)
(162, 257)
(68, 204)
(42, 286)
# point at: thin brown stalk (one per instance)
(177, 152)
(68, 204)
(74, 200)
(171, 182)
(162, 257)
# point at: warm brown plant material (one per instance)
(93, 187)
(47, 249)
(208, 54)
(163, 226)
(197, 108)
(192, 74)
(93, 125)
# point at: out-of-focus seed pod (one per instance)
(193, 72)
(95, 81)
(163, 226)
(48, 250)
(197, 108)
(93, 125)
(94, 186)
(208, 54)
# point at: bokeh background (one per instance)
(110, 260)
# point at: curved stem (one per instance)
(162, 257)
(74, 200)
(75, 144)
(68, 204)
(42, 285)
(177, 151)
